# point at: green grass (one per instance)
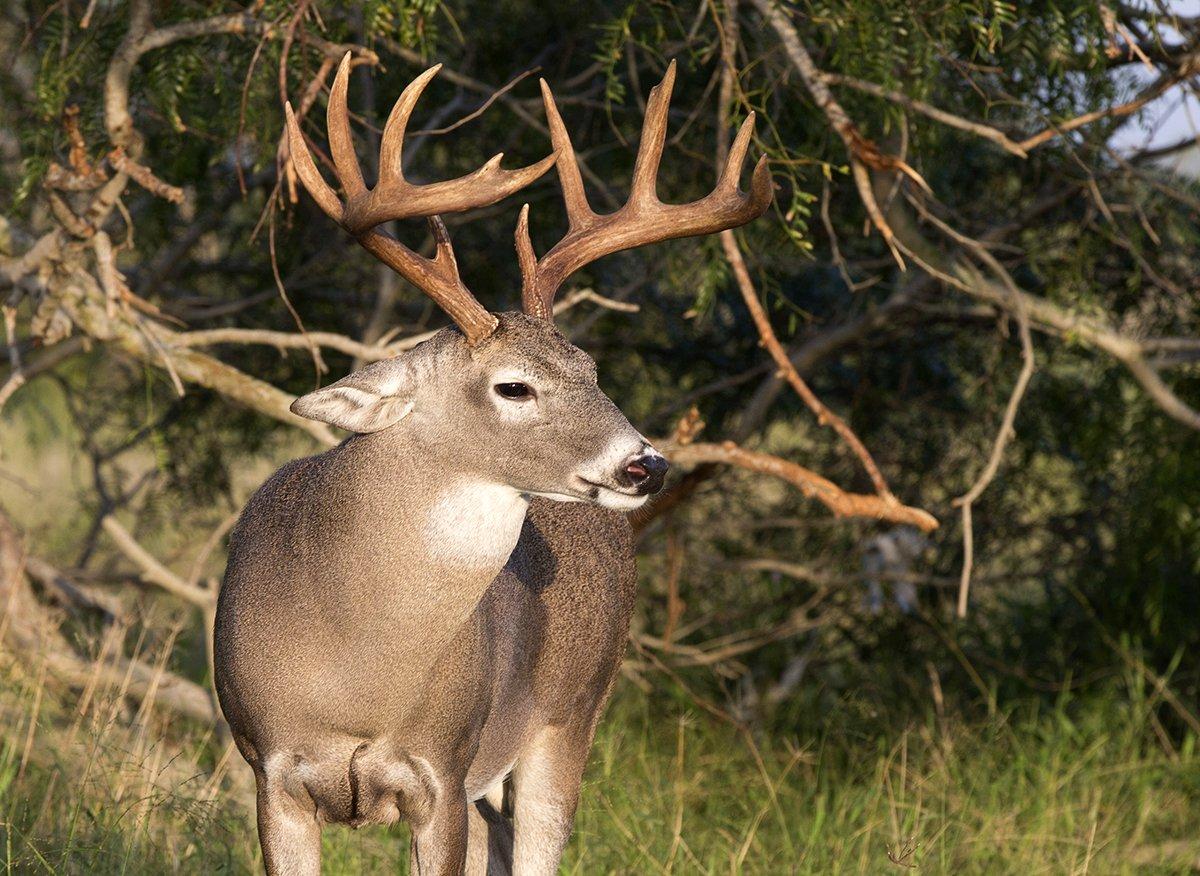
(1079, 786)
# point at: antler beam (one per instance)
(393, 197)
(644, 218)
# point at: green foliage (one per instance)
(412, 23)
(610, 50)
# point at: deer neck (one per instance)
(435, 535)
(472, 524)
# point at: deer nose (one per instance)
(645, 473)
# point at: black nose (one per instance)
(645, 473)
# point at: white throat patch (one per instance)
(475, 523)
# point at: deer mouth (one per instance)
(583, 490)
(611, 497)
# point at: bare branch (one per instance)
(283, 341)
(46, 359)
(144, 176)
(1044, 314)
(152, 571)
(825, 416)
(351, 347)
(1040, 311)
(68, 592)
(1119, 111)
(1003, 435)
(938, 115)
(811, 484)
(745, 284)
(27, 631)
(82, 299)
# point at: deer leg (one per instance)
(546, 782)
(439, 844)
(477, 843)
(288, 832)
(490, 836)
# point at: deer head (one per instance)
(506, 398)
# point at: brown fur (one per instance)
(375, 662)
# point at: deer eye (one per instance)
(514, 391)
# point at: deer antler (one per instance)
(644, 218)
(395, 198)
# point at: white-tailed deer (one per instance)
(419, 614)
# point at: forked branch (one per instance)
(811, 484)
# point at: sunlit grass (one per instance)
(1075, 787)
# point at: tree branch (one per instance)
(81, 297)
(811, 484)
(825, 416)
(938, 115)
(1003, 435)
(152, 571)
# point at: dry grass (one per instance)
(92, 782)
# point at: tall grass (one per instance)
(94, 784)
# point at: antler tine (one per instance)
(443, 249)
(654, 134)
(391, 144)
(644, 218)
(531, 300)
(736, 158)
(341, 145)
(579, 212)
(760, 177)
(395, 198)
(302, 161)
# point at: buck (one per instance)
(439, 605)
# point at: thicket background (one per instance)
(801, 694)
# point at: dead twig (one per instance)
(16, 375)
(144, 176)
(987, 132)
(1003, 435)
(483, 107)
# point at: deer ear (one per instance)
(374, 398)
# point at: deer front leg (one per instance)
(477, 843)
(490, 843)
(288, 832)
(546, 782)
(439, 844)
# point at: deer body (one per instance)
(441, 602)
(334, 737)
(404, 622)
